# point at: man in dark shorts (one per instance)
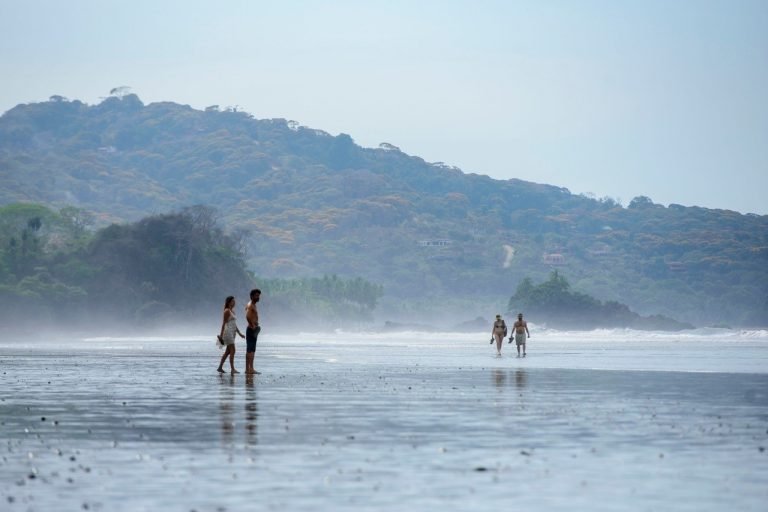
(252, 331)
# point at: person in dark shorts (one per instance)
(252, 331)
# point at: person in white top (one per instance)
(227, 335)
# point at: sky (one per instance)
(608, 98)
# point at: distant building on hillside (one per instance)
(553, 258)
(599, 250)
(676, 266)
(442, 242)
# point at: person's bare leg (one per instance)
(249, 363)
(232, 359)
(498, 344)
(523, 349)
(223, 358)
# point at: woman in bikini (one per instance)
(498, 332)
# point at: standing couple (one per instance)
(226, 337)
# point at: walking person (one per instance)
(521, 332)
(252, 331)
(498, 332)
(227, 335)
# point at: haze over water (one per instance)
(609, 420)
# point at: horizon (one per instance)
(656, 100)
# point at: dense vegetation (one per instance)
(164, 269)
(306, 204)
(554, 301)
(329, 301)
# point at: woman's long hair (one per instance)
(228, 300)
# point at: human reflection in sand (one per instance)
(521, 378)
(499, 378)
(226, 400)
(251, 412)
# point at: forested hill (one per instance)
(311, 204)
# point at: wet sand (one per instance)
(149, 425)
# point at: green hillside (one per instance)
(309, 204)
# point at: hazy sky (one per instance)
(667, 99)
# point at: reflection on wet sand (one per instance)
(499, 377)
(228, 395)
(521, 378)
(369, 434)
(251, 412)
(226, 399)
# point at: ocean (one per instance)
(599, 420)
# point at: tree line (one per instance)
(553, 303)
(56, 269)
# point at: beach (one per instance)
(605, 420)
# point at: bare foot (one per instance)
(220, 370)
(235, 371)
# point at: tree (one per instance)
(79, 219)
(640, 202)
(554, 301)
(120, 91)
